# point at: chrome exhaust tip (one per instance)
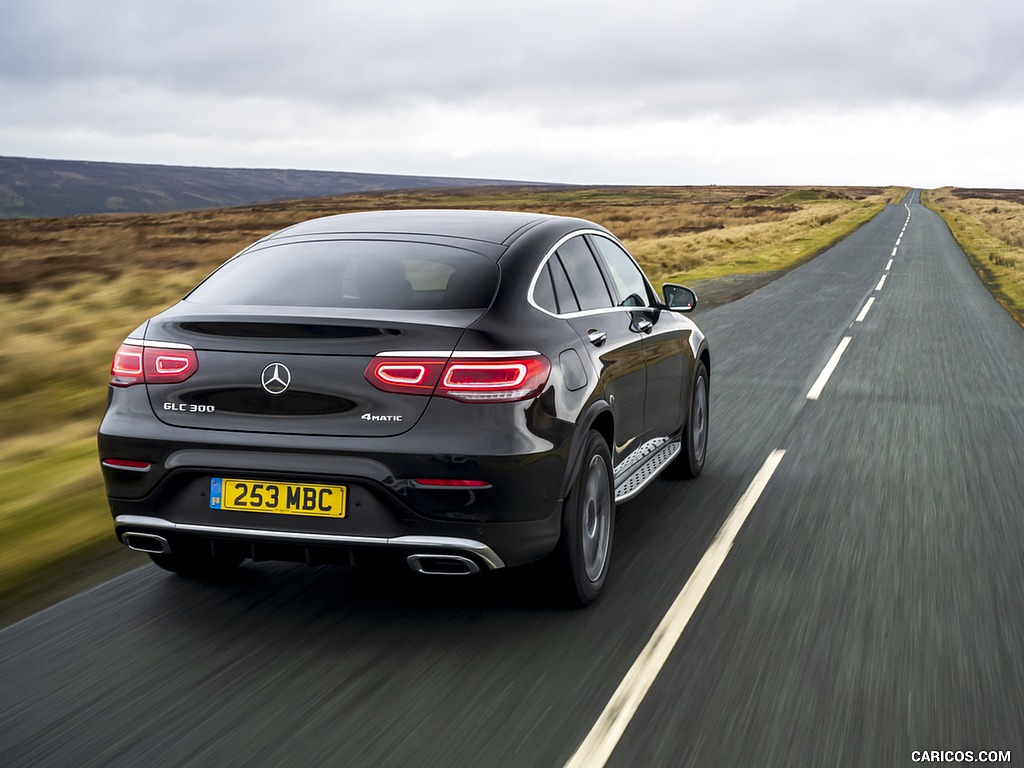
(442, 565)
(149, 543)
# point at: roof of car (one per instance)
(498, 227)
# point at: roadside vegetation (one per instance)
(989, 226)
(72, 289)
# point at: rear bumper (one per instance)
(127, 526)
(515, 521)
(518, 452)
(518, 543)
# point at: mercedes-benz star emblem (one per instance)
(276, 378)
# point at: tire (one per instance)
(690, 461)
(588, 526)
(196, 566)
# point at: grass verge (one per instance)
(53, 518)
(989, 227)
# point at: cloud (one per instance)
(568, 87)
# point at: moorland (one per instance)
(72, 288)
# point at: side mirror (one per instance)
(679, 298)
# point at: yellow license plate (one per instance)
(277, 498)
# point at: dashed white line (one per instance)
(894, 251)
(864, 312)
(881, 283)
(830, 366)
(888, 266)
(597, 747)
(898, 239)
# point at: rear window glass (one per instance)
(360, 274)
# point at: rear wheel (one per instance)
(690, 461)
(588, 525)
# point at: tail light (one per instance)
(138, 362)
(485, 379)
(407, 376)
(494, 380)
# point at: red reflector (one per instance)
(127, 464)
(440, 482)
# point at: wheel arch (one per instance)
(598, 416)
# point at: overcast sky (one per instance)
(919, 92)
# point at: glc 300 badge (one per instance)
(275, 378)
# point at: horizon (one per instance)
(501, 181)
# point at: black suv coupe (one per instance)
(461, 390)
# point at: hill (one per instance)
(33, 188)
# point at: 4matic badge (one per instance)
(374, 417)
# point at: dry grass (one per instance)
(989, 226)
(72, 289)
(672, 230)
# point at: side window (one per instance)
(629, 280)
(564, 296)
(544, 291)
(584, 274)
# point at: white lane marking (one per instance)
(893, 252)
(898, 239)
(833, 361)
(864, 312)
(881, 283)
(597, 747)
(888, 266)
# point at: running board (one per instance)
(643, 465)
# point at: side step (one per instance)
(643, 465)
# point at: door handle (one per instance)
(597, 338)
(643, 325)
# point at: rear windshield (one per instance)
(365, 274)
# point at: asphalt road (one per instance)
(871, 605)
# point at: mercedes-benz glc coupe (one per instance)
(459, 391)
